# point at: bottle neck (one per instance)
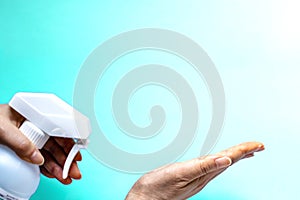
(34, 134)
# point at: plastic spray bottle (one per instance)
(46, 116)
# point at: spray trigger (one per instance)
(80, 144)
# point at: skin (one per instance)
(185, 179)
(174, 181)
(51, 157)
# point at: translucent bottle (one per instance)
(46, 116)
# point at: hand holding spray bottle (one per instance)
(46, 116)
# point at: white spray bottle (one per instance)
(46, 116)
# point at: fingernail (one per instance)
(223, 162)
(37, 158)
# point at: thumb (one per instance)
(205, 165)
(12, 137)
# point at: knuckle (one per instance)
(59, 155)
(204, 168)
(52, 149)
(2, 126)
(54, 170)
(25, 147)
(2, 131)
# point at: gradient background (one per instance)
(254, 44)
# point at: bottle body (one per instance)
(19, 179)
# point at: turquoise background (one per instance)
(254, 44)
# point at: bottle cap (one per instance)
(34, 134)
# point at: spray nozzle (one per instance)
(55, 118)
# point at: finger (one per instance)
(204, 165)
(12, 137)
(67, 144)
(45, 172)
(249, 155)
(74, 171)
(56, 151)
(53, 168)
(78, 157)
(14, 117)
(59, 155)
(201, 166)
(241, 151)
